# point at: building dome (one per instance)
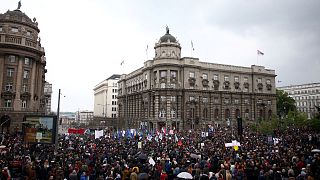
(167, 37)
(17, 16)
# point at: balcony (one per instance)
(6, 108)
(6, 39)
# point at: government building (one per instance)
(307, 97)
(185, 93)
(22, 70)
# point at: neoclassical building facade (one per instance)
(185, 93)
(22, 69)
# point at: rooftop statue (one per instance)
(19, 5)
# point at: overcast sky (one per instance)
(86, 40)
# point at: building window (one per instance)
(191, 98)
(191, 75)
(173, 113)
(24, 88)
(172, 98)
(162, 98)
(146, 76)
(215, 77)
(259, 80)
(259, 101)
(226, 78)
(172, 85)
(12, 58)
(173, 74)
(26, 61)
(28, 33)
(268, 81)
(10, 72)
(163, 74)
(204, 76)
(226, 101)
(162, 113)
(236, 101)
(25, 74)
(7, 103)
(246, 101)
(245, 79)
(205, 100)
(14, 29)
(9, 87)
(246, 114)
(236, 79)
(216, 100)
(269, 102)
(24, 104)
(162, 85)
(0, 28)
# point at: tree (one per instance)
(285, 104)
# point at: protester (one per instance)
(144, 155)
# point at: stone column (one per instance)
(2, 59)
(156, 107)
(19, 78)
(253, 107)
(32, 86)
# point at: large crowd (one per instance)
(288, 154)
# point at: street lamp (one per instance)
(58, 121)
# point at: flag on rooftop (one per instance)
(260, 53)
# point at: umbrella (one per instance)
(2, 146)
(143, 156)
(142, 176)
(315, 150)
(196, 156)
(70, 148)
(185, 175)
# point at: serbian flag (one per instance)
(260, 53)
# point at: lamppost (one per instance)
(57, 122)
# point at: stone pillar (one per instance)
(40, 87)
(32, 86)
(19, 78)
(2, 59)
(253, 107)
(168, 113)
(156, 106)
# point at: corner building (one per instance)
(184, 93)
(22, 70)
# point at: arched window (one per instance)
(269, 114)
(261, 114)
(163, 53)
(246, 114)
(205, 113)
(238, 113)
(216, 114)
(227, 114)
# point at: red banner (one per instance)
(76, 131)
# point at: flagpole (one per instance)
(147, 52)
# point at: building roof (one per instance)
(167, 37)
(17, 16)
(307, 85)
(114, 76)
